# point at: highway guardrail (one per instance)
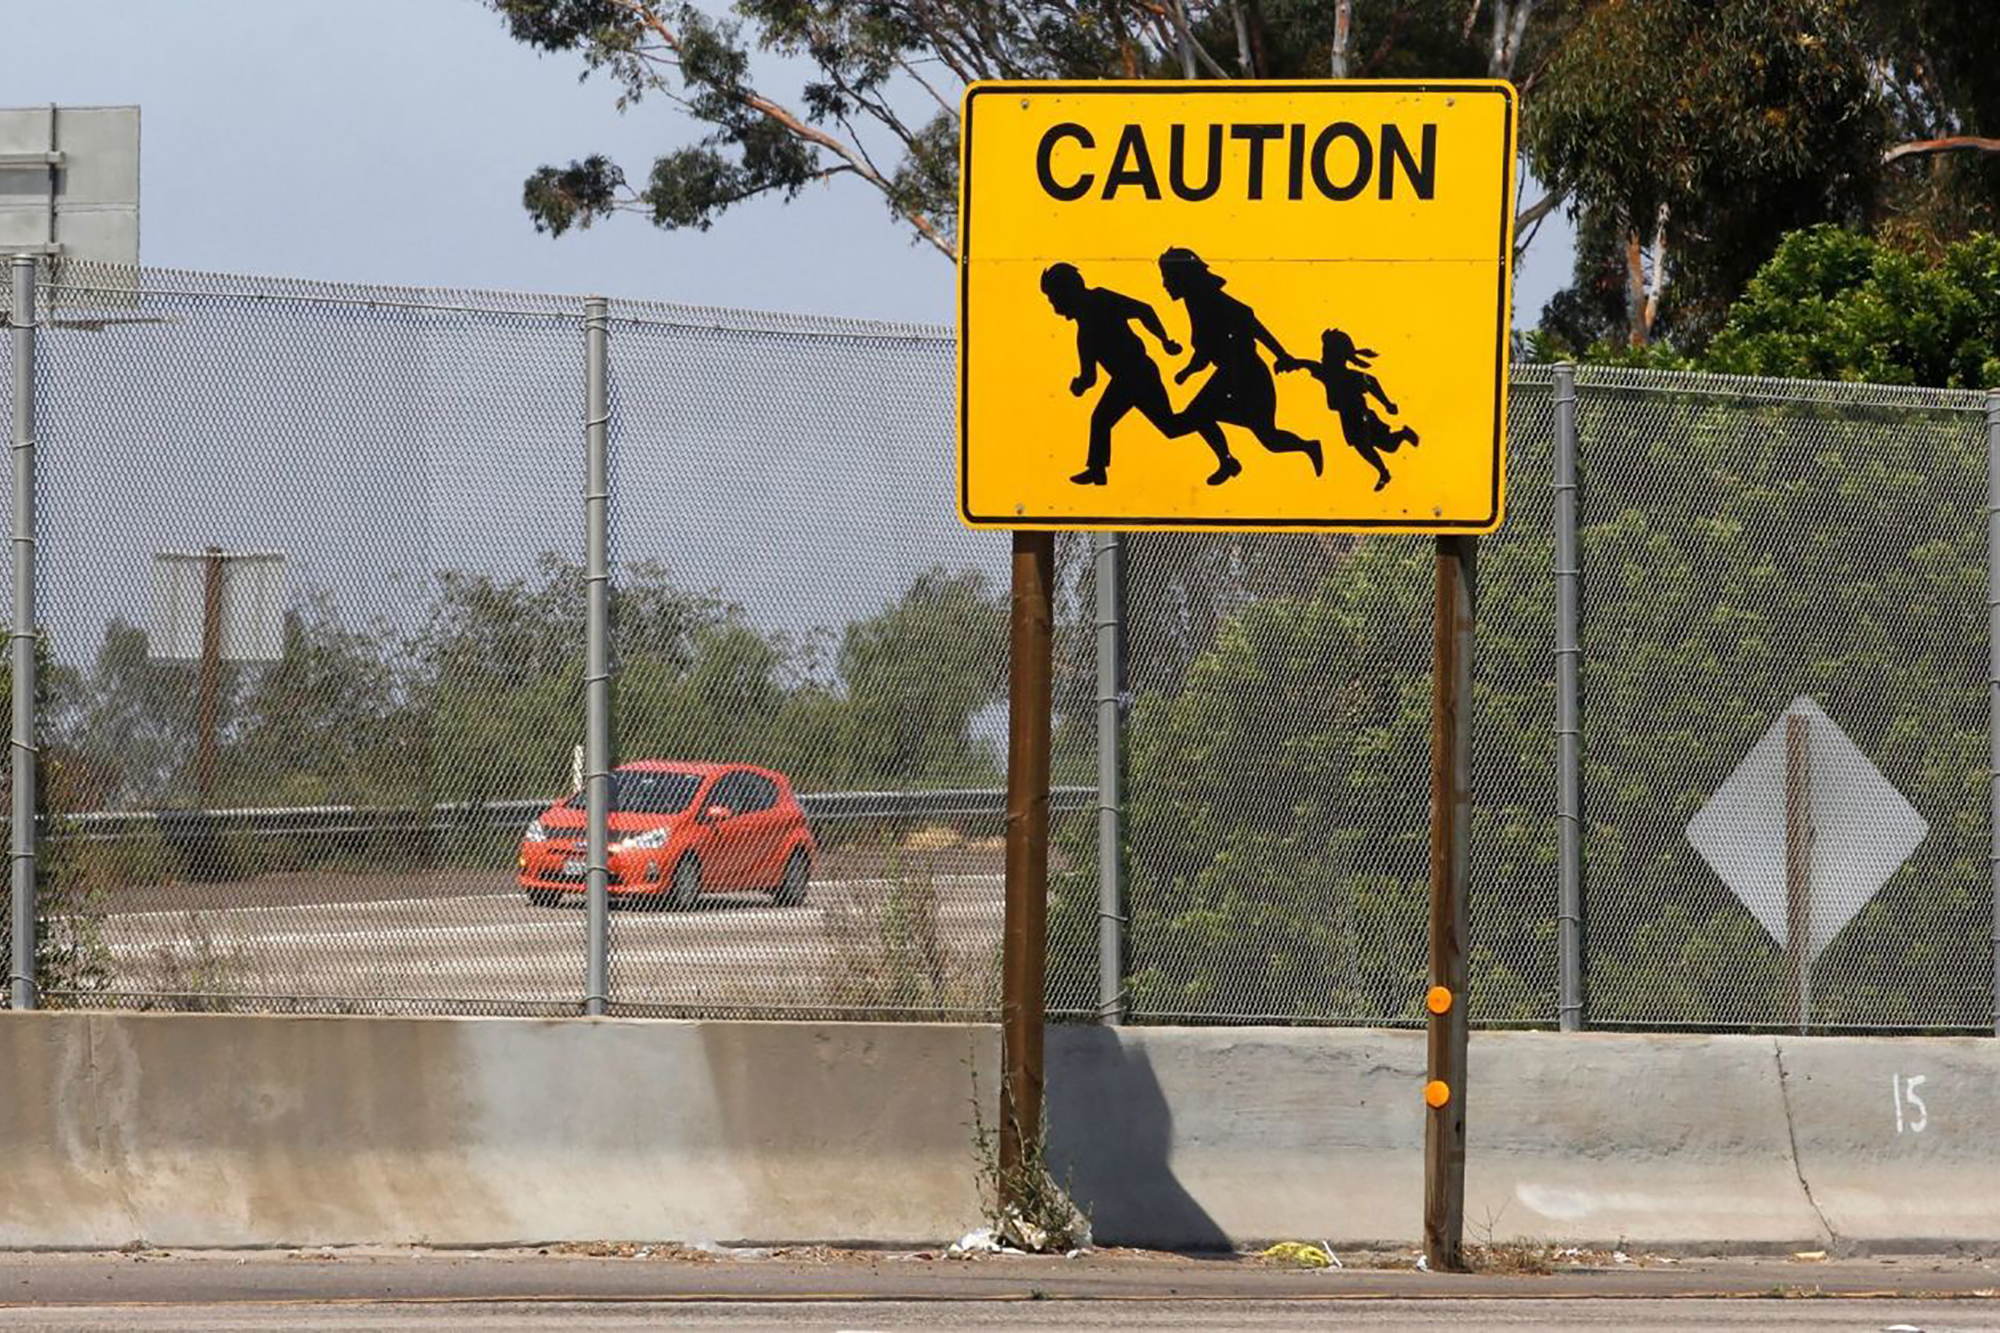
(447, 817)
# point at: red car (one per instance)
(677, 830)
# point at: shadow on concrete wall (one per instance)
(1111, 1140)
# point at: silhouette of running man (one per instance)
(1343, 369)
(1226, 333)
(1104, 337)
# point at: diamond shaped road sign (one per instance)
(1862, 830)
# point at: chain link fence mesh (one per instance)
(792, 593)
(408, 464)
(1279, 786)
(1744, 545)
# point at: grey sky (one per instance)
(386, 141)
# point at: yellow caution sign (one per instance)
(1235, 305)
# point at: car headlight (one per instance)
(652, 837)
(535, 833)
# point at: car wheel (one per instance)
(684, 894)
(543, 897)
(791, 890)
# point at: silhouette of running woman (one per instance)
(1225, 333)
(1343, 369)
(1104, 337)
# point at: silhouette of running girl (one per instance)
(1104, 337)
(1226, 333)
(1343, 369)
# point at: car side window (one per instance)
(728, 790)
(759, 793)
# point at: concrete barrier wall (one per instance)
(1317, 1134)
(215, 1130)
(1896, 1140)
(219, 1130)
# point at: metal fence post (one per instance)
(1569, 740)
(1993, 682)
(597, 651)
(21, 985)
(1108, 589)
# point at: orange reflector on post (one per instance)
(1436, 1093)
(1438, 1000)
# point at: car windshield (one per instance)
(647, 793)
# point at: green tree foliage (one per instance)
(1832, 304)
(500, 671)
(879, 101)
(331, 716)
(135, 718)
(1736, 555)
(879, 104)
(1692, 129)
(328, 724)
(485, 701)
(916, 674)
(1938, 77)
(1689, 135)
(1276, 800)
(1264, 812)
(1838, 304)
(1684, 136)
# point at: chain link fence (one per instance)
(407, 463)
(1279, 783)
(331, 817)
(792, 594)
(1753, 550)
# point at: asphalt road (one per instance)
(529, 1290)
(920, 937)
(860, 1317)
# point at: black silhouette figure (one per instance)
(1104, 338)
(1343, 369)
(1226, 333)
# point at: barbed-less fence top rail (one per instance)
(105, 289)
(85, 292)
(1732, 762)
